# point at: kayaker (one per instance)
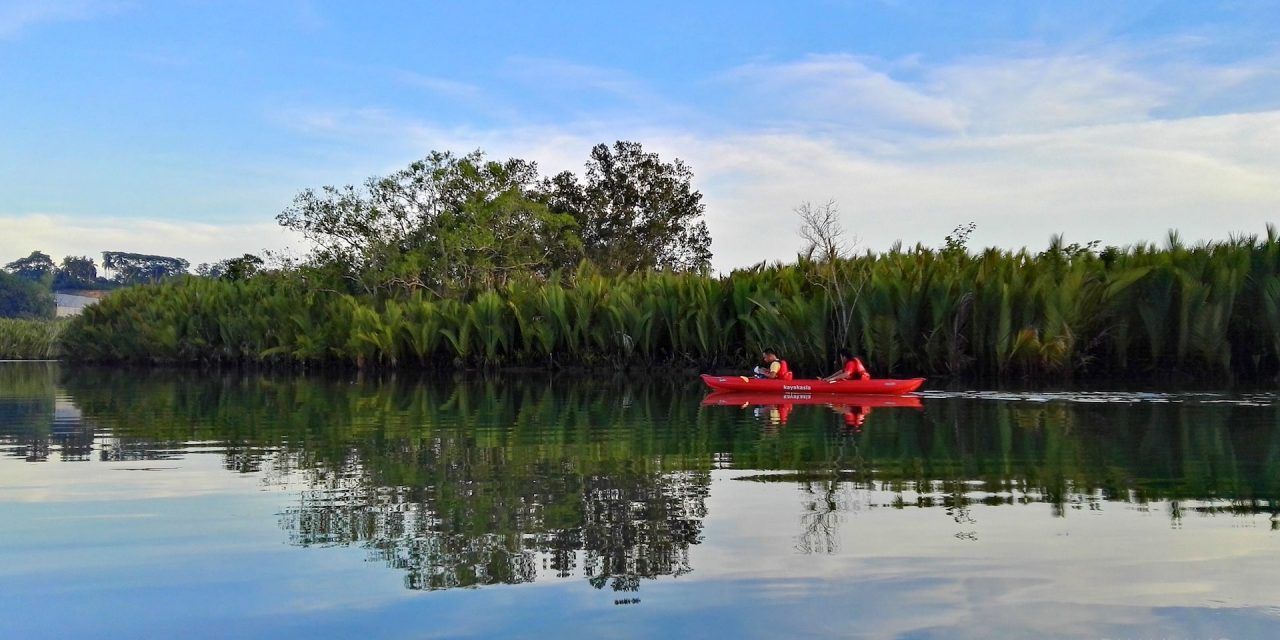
(853, 369)
(775, 368)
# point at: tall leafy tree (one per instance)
(634, 211)
(139, 268)
(76, 272)
(20, 297)
(241, 268)
(36, 266)
(444, 222)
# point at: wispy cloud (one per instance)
(584, 92)
(844, 90)
(442, 86)
(1047, 93)
(1121, 183)
(63, 235)
(17, 16)
(1106, 144)
(562, 74)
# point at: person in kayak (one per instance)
(775, 368)
(853, 369)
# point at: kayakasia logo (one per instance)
(797, 387)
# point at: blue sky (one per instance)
(184, 127)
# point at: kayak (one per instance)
(885, 386)
(741, 398)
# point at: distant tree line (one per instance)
(447, 225)
(27, 284)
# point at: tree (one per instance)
(443, 222)
(633, 211)
(829, 254)
(36, 266)
(140, 268)
(22, 298)
(76, 272)
(957, 242)
(241, 268)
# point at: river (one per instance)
(180, 503)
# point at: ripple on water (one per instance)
(1249, 399)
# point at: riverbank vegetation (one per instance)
(1205, 310)
(468, 262)
(22, 339)
(29, 286)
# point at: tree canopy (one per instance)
(462, 223)
(241, 268)
(21, 297)
(441, 223)
(36, 266)
(76, 272)
(634, 211)
(139, 268)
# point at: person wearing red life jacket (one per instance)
(853, 369)
(775, 368)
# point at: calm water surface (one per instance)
(181, 504)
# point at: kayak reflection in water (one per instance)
(775, 414)
(854, 415)
(852, 369)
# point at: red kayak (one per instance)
(740, 398)
(884, 386)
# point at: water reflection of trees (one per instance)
(492, 520)
(455, 485)
(35, 422)
(506, 481)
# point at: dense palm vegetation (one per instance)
(1211, 309)
(29, 339)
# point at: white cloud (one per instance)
(561, 74)
(19, 15)
(1025, 146)
(62, 235)
(1121, 183)
(845, 90)
(444, 86)
(1045, 93)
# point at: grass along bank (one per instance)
(30, 339)
(1207, 310)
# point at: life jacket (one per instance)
(856, 370)
(784, 372)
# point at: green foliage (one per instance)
(634, 211)
(445, 223)
(37, 267)
(23, 298)
(456, 226)
(76, 272)
(1209, 310)
(240, 268)
(140, 268)
(29, 339)
(957, 242)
